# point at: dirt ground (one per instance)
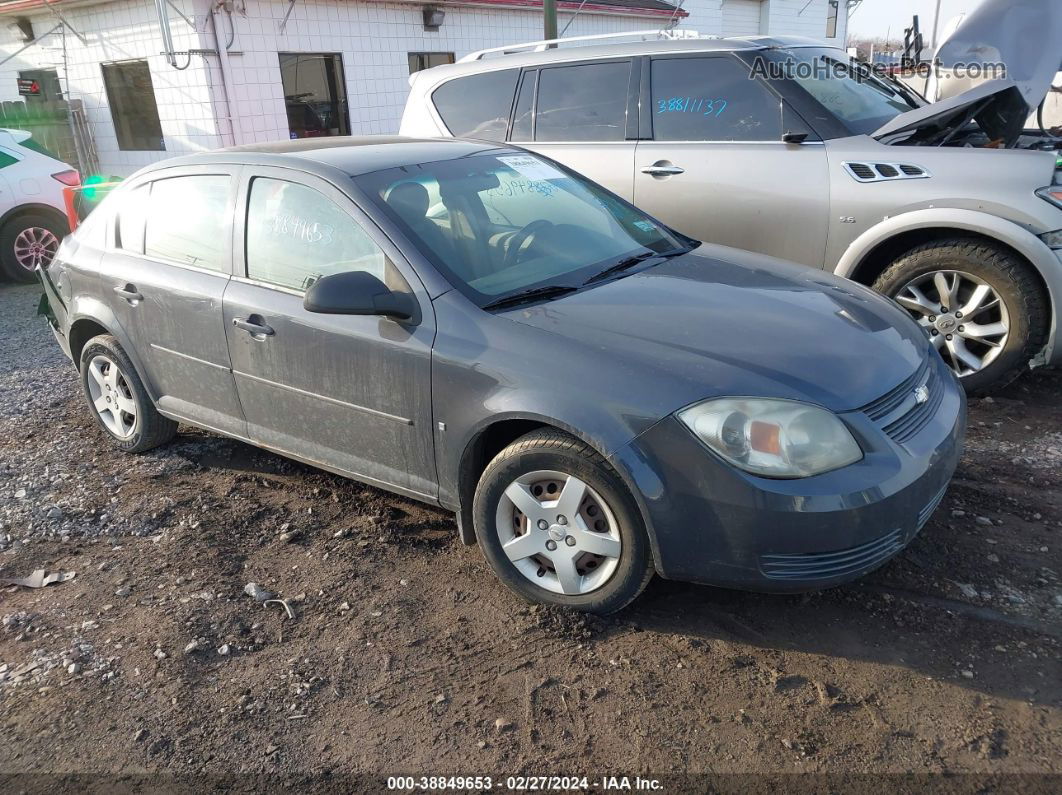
(405, 656)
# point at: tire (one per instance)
(543, 458)
(1022, 307)
(41, 233)
(140, 428)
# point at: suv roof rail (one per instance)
(540, 46)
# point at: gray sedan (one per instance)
(595, 396)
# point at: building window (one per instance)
(133, 110)
(315, 94)
(831, 19)
(426, 60)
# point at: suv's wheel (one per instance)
(559, 527)
(26, 242)
(118, 400)
(980, 304)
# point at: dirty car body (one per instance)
(483, 327)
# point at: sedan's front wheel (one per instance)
(559, 527)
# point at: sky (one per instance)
(876, 17)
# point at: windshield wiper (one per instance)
(534, 294)
(630, 262)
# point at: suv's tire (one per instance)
(1011, 297)
(607, 563)
(117, 398)
(26, 241)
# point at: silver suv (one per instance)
(951, 208)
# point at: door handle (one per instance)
(129, 293)
(257, 330)
(663, 169)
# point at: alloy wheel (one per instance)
(111, 396)
(558, 532)
(35, 246)
(964, 317)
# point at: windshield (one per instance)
(848, 89)
(499, 225)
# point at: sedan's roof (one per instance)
(350, 154)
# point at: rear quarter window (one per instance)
(477, 106)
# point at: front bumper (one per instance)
(711, 523)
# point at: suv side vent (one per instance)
(884, 172)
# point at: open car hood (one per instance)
(998, 106)
(1023, 35)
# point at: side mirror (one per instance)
(357, 293)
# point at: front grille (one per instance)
(892, 400)
(827, 565)
(898, 411)
(927, 511)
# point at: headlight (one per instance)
(1053, 239)
(1052, 194)
(776, 438)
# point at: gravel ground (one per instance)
(405, 656)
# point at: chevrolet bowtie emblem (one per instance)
(921, 394)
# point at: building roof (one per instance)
(658, 8)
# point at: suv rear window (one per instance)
(711, 99)
(477, 106)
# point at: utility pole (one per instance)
(549, 8)
(936, 27)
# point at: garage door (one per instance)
(741, 18)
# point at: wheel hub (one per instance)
(946, 324)
(558, 532)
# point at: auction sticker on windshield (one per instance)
(532, 167)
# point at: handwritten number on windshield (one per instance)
(702, 105)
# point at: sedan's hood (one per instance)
(1025, 36)
(702, 325)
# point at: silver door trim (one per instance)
(345, 404)
(647, 141)
(195, 359)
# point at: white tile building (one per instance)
(372, 39)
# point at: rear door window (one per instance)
(711, 99)
(188, 221)
(132, 213)
(477, 106)
(583, 102)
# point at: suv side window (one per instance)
(188, 220)
(477, 106)
(296, 235)
(585, 102)
(711, 99)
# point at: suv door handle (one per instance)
(257, 330)
(663, 169)
(129, 293)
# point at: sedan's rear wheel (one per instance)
(558, 526)
(980, 305)
(118, 400)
